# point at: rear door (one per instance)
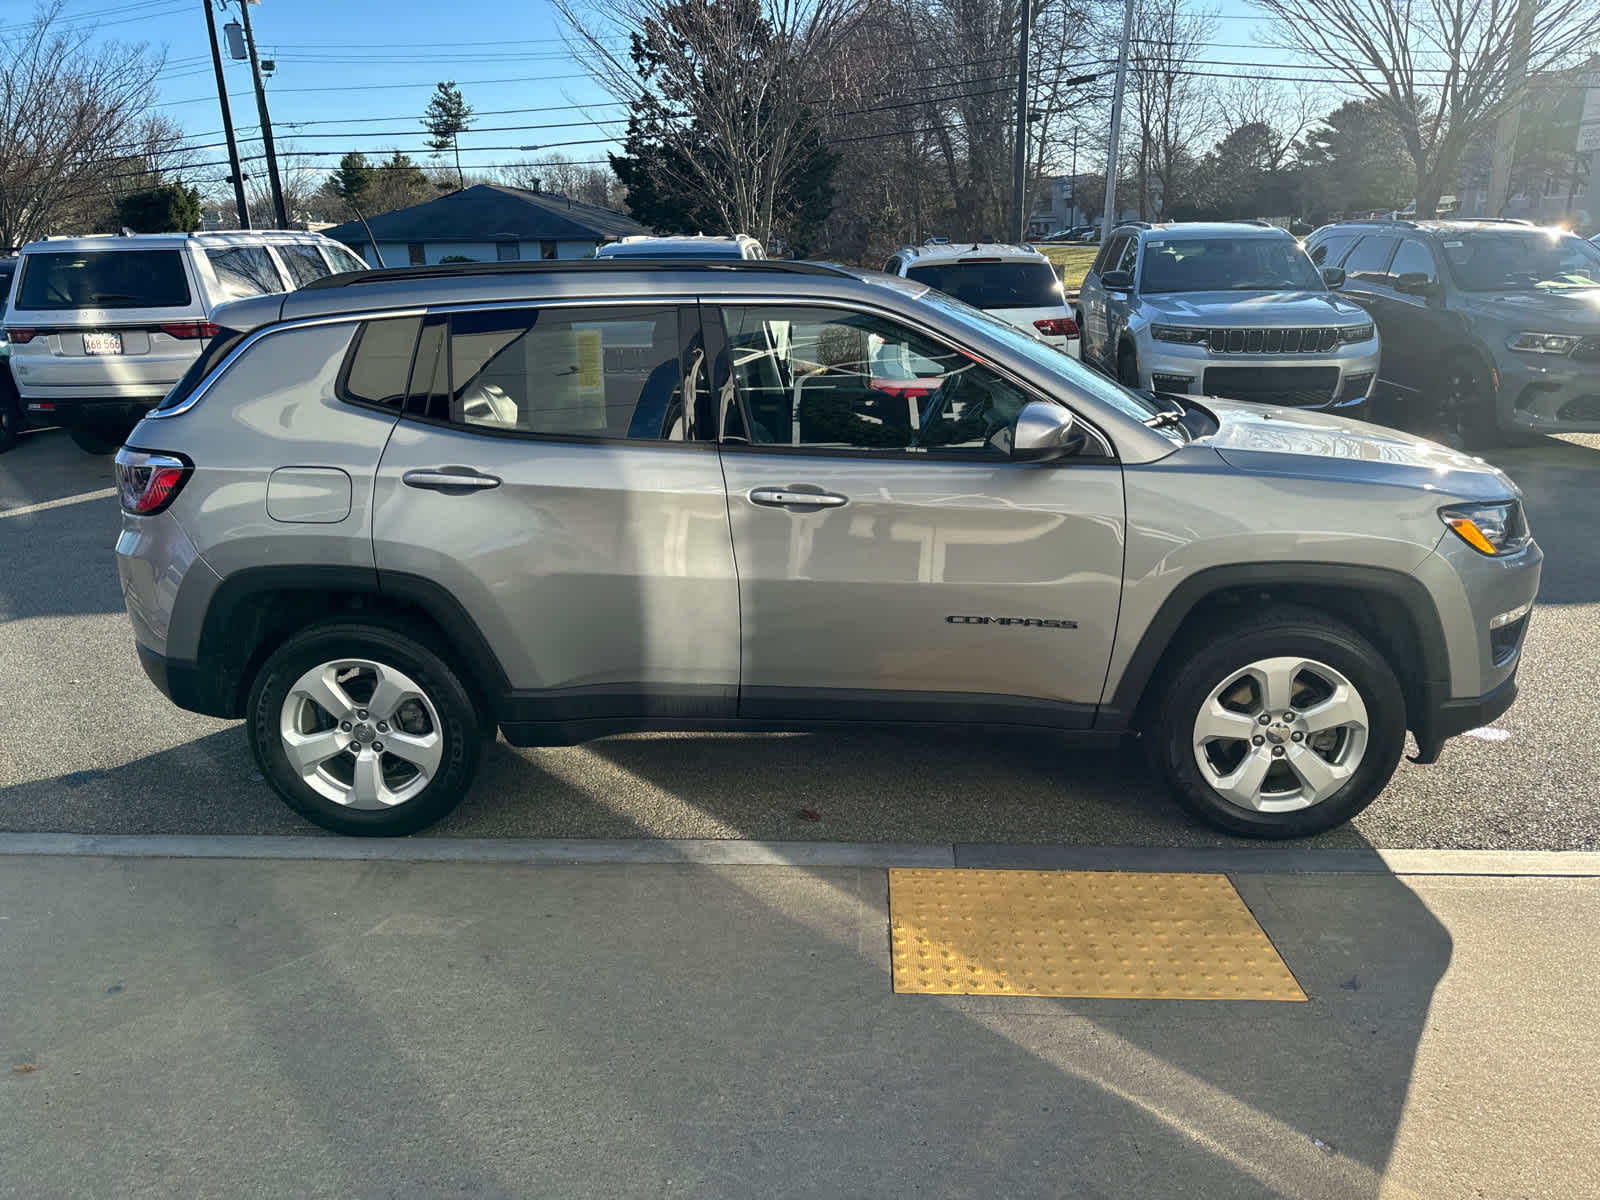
(553, 476)
(105, 323)
(894, 562)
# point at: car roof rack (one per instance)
(576, 266)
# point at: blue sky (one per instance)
(362, 71)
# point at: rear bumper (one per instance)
(186, 684)
(65, 411)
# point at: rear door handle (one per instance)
(772, 497)
(450, 479)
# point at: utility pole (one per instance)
(1108, 216)
(1019, 167)
(1505, 134)
(278, 210)
(227, 120)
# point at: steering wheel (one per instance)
(980, 414)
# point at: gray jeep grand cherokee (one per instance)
(391, 512)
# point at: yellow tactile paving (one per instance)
(1117, 935)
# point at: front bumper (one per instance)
(1561, 395)
(1182, 369)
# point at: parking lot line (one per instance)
(82, 498)
(1096, 934)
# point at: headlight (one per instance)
(1351, 334)
(1546, 343)
(1180, 333)
(1492, 529)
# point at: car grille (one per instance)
(1301, 387)
(1587, 350)
(1272, 341)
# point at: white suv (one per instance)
(100, 327)
(700, 245)
(1017, 284)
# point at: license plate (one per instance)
(102, 343)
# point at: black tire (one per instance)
(1205, 664)
(1127, 366)
(98, 437)
(10, 416)
(458, 723)
(1466, 417)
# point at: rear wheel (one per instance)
(364, 730)
(1284, 728)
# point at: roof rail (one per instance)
(738, 266)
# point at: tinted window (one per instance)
(379, 363)
(103, 279)
(994, 284)
(1519, 259)
(1129, 256)
(850, 381)
(244, 271)
(1413, 259)
(216, 350)
(1327, 252)
(609, 372)
(1370, 259)
(1110, 252)
(303, 263)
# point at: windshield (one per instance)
(995, 284)
(1227, 264)
(1501, 260)
(103, 279)
(1073, 375)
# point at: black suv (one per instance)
(1488, 326)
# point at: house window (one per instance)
(507, 251)
(547, 249)
(415, 254)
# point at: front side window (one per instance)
(1370, 259)
(585, 372)
(1109, 253)
(103, 279)
(244, 271)
(303, 263)
(1413, 258)
(1223, 264)
(836, 380)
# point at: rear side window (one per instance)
(994, 284)
(216, 350)
(379, 362)
(68, 279)
(245, 271)
(303, 263)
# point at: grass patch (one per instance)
(1072, 262)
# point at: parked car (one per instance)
(389, 513)
(1489, 327)
(699, 246)
(102, 326)
(1226, 309)
(10, 403)
(1014, 283)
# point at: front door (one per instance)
(549, 476)
(894, 563)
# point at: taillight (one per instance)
(1057, 327)
(149, 482)
(20, 337)
(189, 330)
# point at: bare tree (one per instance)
(1443, 70)
(1171, 108)
(72, 112)
(725, 84)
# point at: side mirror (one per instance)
(1117, 281)
(1413, 283)
(1333, 277)
(1044, 431)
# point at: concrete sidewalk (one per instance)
(274, 1027)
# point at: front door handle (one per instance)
(457, 480)
(772, 497)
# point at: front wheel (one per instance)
(1284, 728)
(1466, 417)
(363, 730)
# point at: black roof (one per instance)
(488, 212)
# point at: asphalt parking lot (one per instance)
(88, 746)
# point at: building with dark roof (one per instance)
(486, 223)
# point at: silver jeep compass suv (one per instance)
(389, 513)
